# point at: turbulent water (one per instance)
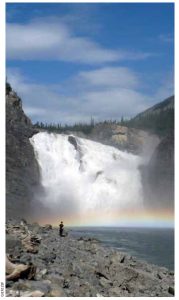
(82, 176)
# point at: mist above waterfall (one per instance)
(83, 177)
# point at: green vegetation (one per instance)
(161, 122)
(86, 128)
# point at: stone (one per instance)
(43, 272)
(47, 227)
(160, 275)
(57, 292)
(9, 283)
(49, 257)
(12, 242)
(56, 279)
(43, 286)
(16, 271)
(105, 282)
(32, 294)
(66, 284)
(115, 291)
(171, 290)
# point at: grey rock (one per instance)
(158, 176)
(11, 243)
(171, 290)
(56, 279)
(49, 257)
(22, 172)
(73, 141)
(57, 291)
(80, 268)
(47, 227)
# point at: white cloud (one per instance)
(49, 104)
(116, 102)
(50, 39)
(102, 93)
(54, 41)
(111, 76)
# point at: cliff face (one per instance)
(158, 175)
(22, 173)
(128, 139)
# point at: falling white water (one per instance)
(87, 177)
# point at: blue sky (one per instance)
(69, 62)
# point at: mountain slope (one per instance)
(158, 119)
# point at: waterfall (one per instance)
(84, 178)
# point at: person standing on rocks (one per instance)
(61, 228)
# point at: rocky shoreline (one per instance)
(40, 263)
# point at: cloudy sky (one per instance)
(69, 62)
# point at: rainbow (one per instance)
(126, 218)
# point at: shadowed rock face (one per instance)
(158, 175)
(73, 141)
(22, 173)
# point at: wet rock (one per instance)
(73, 141)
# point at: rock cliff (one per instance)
(128, 139)
(22, 173)
(158, 175)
